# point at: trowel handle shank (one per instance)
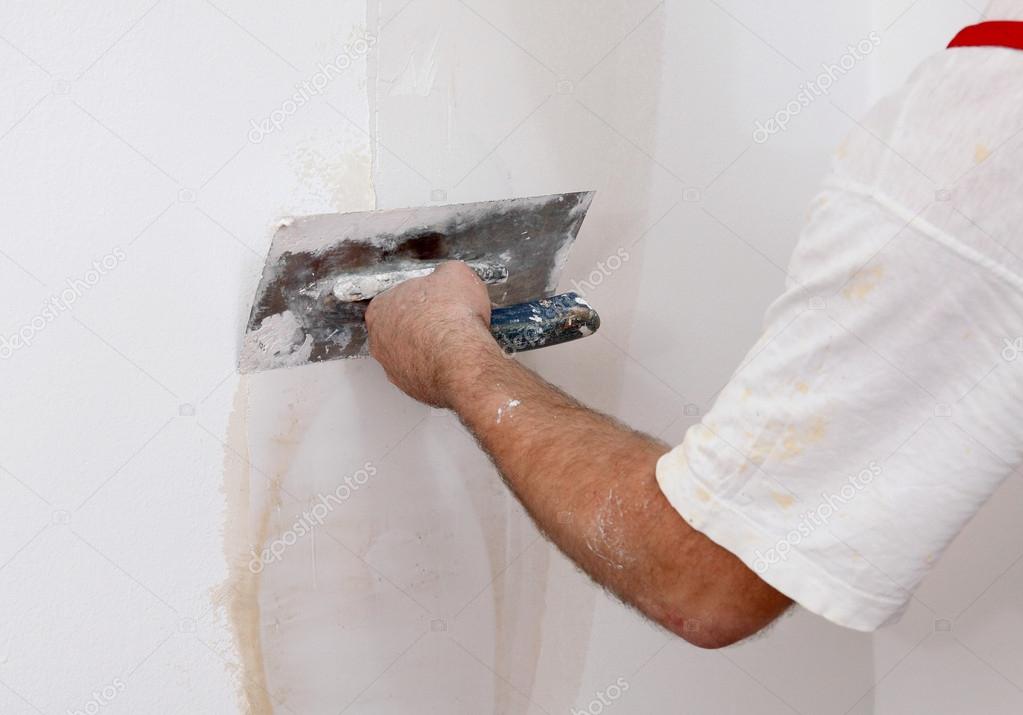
(544, 322)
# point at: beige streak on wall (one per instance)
(239, 595)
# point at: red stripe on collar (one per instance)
(997, 33)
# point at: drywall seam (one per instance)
(373, 15)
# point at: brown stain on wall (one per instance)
(253, 497)
(239, 594)
(285, 427)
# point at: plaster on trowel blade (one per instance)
(295, 317)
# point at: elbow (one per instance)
(717, 611)
(720, 619)
(712, 632)
(714, 641)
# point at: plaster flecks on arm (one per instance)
(589, 482)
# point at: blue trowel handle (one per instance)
(544, 322)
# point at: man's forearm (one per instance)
(589, 482)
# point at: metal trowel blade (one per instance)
(296, 317)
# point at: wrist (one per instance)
(469, 357)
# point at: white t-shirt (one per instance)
(884, 402)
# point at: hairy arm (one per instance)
(587, 480)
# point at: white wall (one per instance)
(138, 470)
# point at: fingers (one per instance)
(457, 271)
(452, 287)
(462, 279)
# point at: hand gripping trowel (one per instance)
(322, 271)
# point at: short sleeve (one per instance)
(876, 414)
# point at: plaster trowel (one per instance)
(322, 271)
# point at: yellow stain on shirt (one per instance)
(751, 465)
(802, 387)
(980, 153)
(762, 448)
(796, 440)
(863, 283)
(783, 500)
(782, 441)
(764, 440)
(817, 430)
(792, 446)
(702, 494)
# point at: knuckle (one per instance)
(372, 309)
(458, 268)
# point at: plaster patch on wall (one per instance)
(335, 169)
(277, 336)
(419, 73)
